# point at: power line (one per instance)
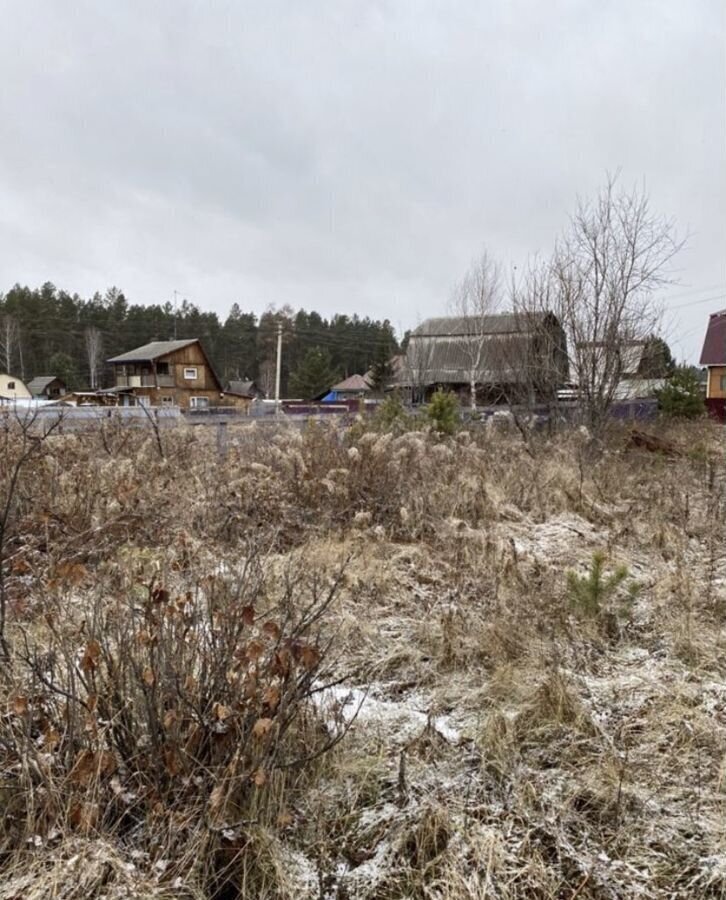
(696, 302)
(689, 293)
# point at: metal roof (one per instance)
(714, 344)
(496, 323)
(38, 384)
(450, 359)
(495, 349)
(151, 351)
(245, 388)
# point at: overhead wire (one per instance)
(696, 302)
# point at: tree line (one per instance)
(48, 331)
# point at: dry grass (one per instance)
(497, 743)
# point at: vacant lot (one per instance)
(362, 665)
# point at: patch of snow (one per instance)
(403, 719)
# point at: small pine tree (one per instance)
(589, 594)
(442, 412)
(391, 415)
(681, 397)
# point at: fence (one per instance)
(80, 418)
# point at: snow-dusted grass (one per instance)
(499, 744)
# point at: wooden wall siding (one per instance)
(714, 382)
(184, 358)
(182, 397)
(191, 355)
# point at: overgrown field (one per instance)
(362, 665)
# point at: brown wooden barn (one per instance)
(172, 373)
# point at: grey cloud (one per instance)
(347, 156)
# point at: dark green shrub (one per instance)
(681, 397)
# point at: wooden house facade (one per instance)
(171, 373)
(713, 357)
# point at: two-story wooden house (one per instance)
(171, 373)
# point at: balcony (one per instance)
(133, 381)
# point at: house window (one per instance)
(162, 368)
(199, 402)
(723, 382)
(11, 385)
(190, 374)
(167, 401)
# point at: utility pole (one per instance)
(175, 304)
(278, 370)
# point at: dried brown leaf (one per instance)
(262, 728)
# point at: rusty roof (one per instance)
(714, 344)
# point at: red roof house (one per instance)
(713, 356)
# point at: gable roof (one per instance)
(244, 388)
(352, 383)
(150, 352)
(714, 344)
(496, 323)
(441, 350)
(38, 384)
(631, 355)
(447, 359)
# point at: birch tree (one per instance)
(474, 299)
(267, 377)
(9, 343)
(601, 283)
(93, 340)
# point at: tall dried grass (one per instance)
(174, 614)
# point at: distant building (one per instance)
(12, 388)
(349, 389)
(245, 388)
(47, 387)
(713, 357)
(641, 366)
(171, 373)
(106, 397)
(504, 354)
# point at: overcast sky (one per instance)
(349, 156)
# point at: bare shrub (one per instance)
(173, 708)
